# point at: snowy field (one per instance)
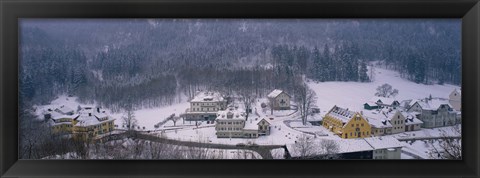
(353, 95)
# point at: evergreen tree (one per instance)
(362, 72)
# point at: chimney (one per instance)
(89, 114)
(98, 109)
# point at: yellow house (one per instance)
(90, 124)
(87, 124)
(61, 124)
(346, 124)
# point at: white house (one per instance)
(204, 106)
(232, 123)
(434, 112)
(386, 121)
(385, 147)
(279, 100)
(455, 99)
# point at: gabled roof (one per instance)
(64, 109)
(207, 97)
(341, 114)
(275, 93)
(231, 113)
(433, 104)
(383, 100)
(410, 118)
(263, 120)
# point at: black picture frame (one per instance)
(12, 10)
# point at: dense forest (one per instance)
(149, 63)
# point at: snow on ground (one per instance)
(279, 135)
(353, 95)
(149, 117)
(344, 94)
(320, 131)
(145, 117)
(420, 147)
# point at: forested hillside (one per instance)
(149, 63)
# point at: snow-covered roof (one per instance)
(383, 142)
(92, 116)
(410, 118)
(433, 104)
(86, 120)
(382, 114)
(352, 145)
(341, 114)
(274, 93)
(379, 123)
(207, 97)
(370, 103)
(382, 100)
(231, 113)
(252, 123)
(64, 109)
(56, 116)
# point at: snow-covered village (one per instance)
(331, 97)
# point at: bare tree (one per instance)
(305, 99)
(305, 146)
(248, 98)
(329, 149)
(449, 147)
(157, 150)
(174, 119)
(386, 91)
(129, 119)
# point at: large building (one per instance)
(91, 124)
(232, 123)
(87, 124)
(346, 123)
(435, 112)
(279, 100)
(204, 106)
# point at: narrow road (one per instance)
(263, 150)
